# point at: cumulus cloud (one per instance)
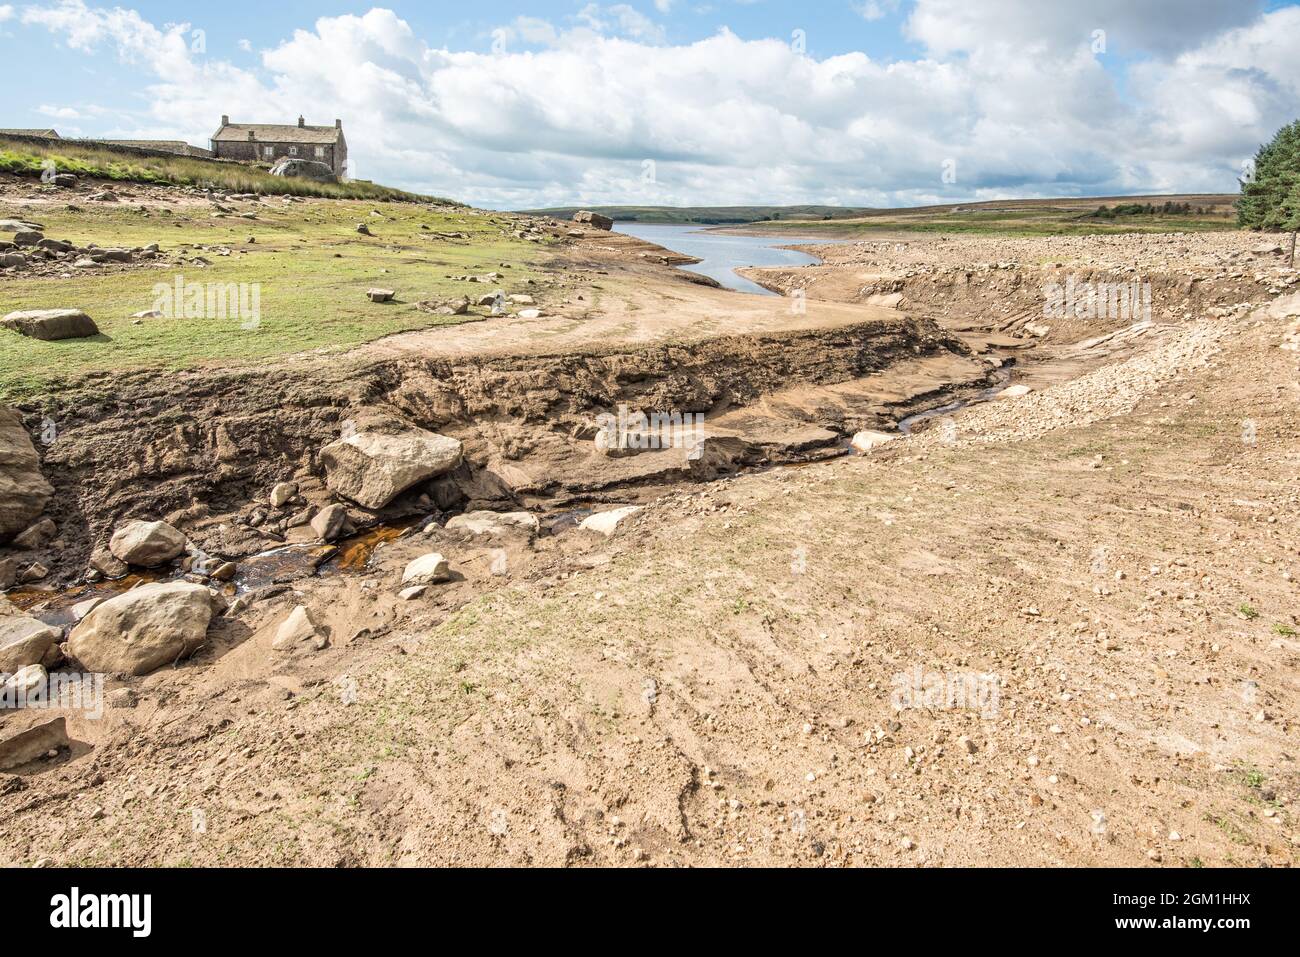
(602, 110)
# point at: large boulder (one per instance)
(25, 641)
(51, 324)
(146, 544)
(143, 629)
(594, 220)
(304, 169)
(373, 468)
(23, 489)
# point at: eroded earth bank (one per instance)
(941, 579)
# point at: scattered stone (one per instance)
(329, 522)
(25, 641)
(24, 737)
(866, 441)
(411, 594)
(33, 573)
(380, 295)
(36, 536)
(431, 569)
(143, 629)
(225, 572)
(83, 608)
(491, 523)
(298, 629)
(122, 699)
(15, 690)
(50, 325)
(1014, 392)
(283, 494)
(111, 567)
(606, 523)
(146, 544)
(373, 468)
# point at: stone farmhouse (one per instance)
(269, 143)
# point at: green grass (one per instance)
(28, 159)
(310, 299)
(1249, 612)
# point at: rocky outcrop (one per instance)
(146, 544)
(51, 324)
(143, 629)
(594, 220)
(373, 468)
(23, 489)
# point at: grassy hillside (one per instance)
(312, 269)
(1030, 217)
(24, 158)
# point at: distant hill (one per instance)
(708, 215)
(1092, 214)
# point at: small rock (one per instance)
(146, 544)
(329, 522)
(428, 569)
(866, 441)
(283, 494)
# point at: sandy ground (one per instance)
(1056, 630)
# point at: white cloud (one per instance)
(59, 112)
(6, 12)
(575, 115)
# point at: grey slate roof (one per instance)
(276, 133)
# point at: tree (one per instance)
(1291, 211)
(1269, 195)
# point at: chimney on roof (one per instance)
(252, 135)
(225, 120)
(338, 124)
(301, 122)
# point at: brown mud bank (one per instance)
(203, 449)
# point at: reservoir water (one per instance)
(721, 254)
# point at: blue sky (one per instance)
(856, 102)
